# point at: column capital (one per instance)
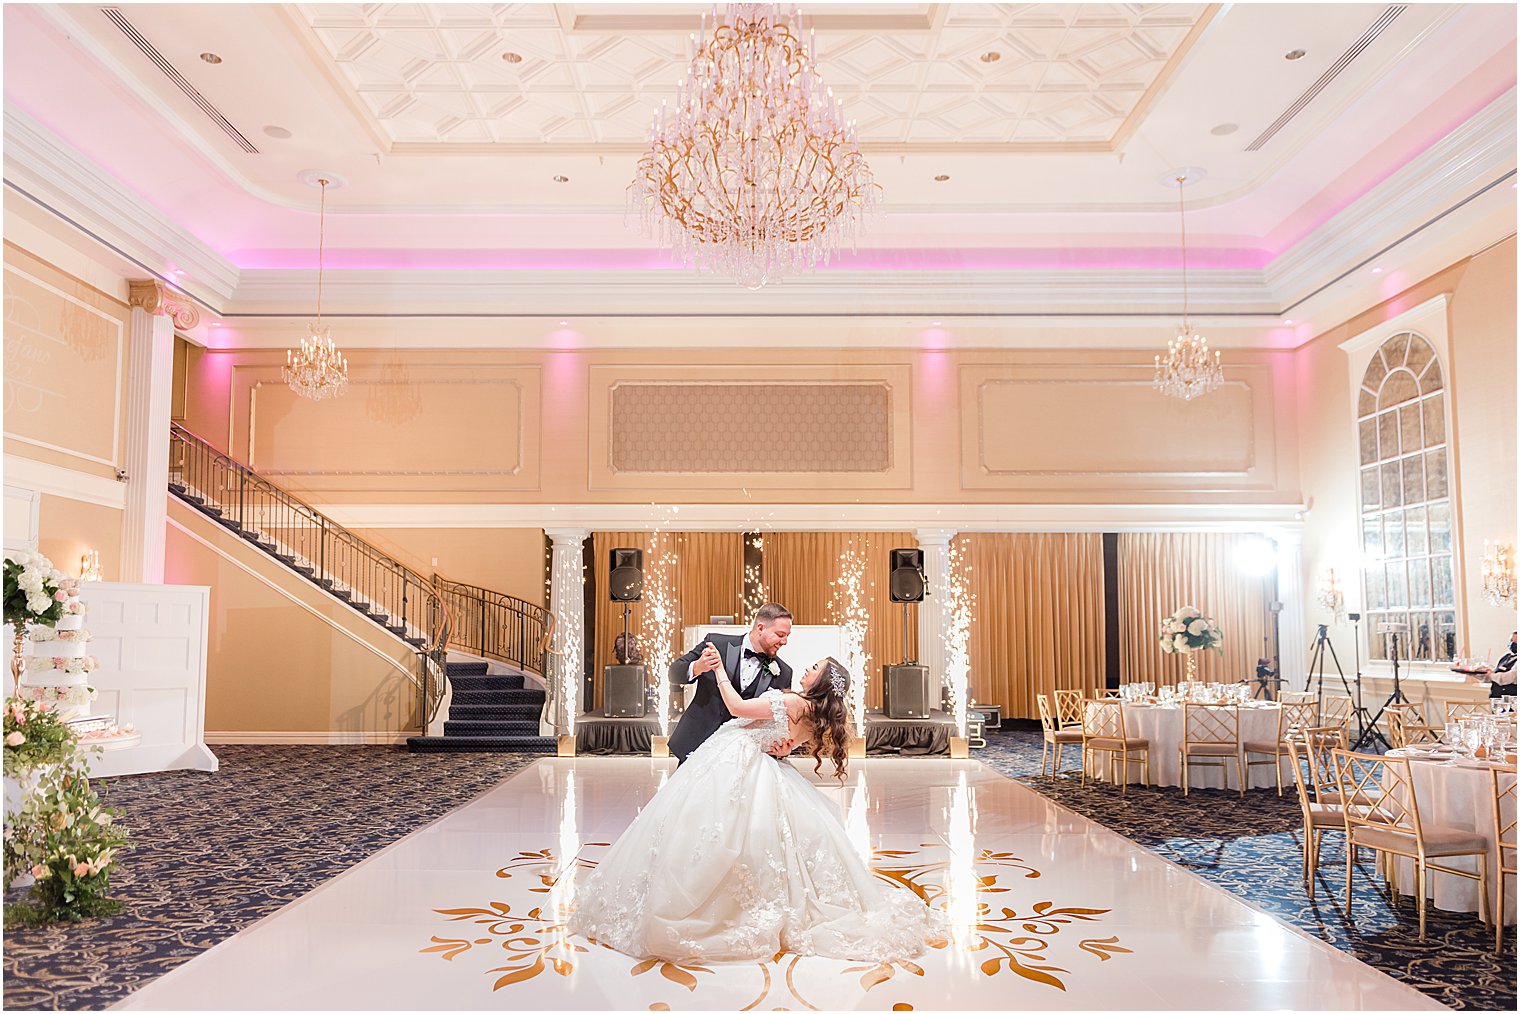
(154, 297)
(935, 536)
(567, 536)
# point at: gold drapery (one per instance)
(1160, 572)
(708, 578)
(1038, 624)
(800, 571)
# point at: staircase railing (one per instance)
(494, 625)
(386, 589)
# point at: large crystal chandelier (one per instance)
(754, 172)
(1498, 574)
(317, 371)
(1188, 370)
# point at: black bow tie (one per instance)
(764, 658)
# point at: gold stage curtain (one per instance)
(1038, 624)
(800, 571)
(1160, 572)
(709, 580)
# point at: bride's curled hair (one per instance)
(828, 712)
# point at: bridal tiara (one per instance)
(837, 681)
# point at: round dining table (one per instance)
(1161, 726)
(1457, 793)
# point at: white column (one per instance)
(1293, 641)
(150, 377)
(568, 604)
(933, 616)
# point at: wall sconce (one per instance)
(1330, 595)
(1498, 574)
(89, 565)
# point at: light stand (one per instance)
(1317, 667)
(1397, 697)
(1366, 725)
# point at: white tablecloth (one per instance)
(1457, 795)
(1162, 727)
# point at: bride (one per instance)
(739, 857)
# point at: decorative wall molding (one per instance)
(55, 480)
(830, 517)
(50, 171)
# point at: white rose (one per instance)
(1197, 627)
(37, 603)
(1166, 646)
(1181, 642)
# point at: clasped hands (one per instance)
(711, 661)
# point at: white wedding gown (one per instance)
(739, 857)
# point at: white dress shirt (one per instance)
(749, 666)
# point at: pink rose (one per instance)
(15, 739)
(82, 870)
(61, 595)
(39, 871)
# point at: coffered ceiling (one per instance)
(484, 153)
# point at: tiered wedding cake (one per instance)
(59, 667)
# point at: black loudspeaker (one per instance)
(907, 578)
(625, 575)
(905, 691)
(623, 691)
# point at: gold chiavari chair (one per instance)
(1069, 709)
(1296, 697)
(1211, 732)
(1054, 736)
(1111, 694)
(1456, 711)
(1293, 717)
(1389, 822)
(1337, 710)
(1407, 727)
(1318, 817)
(1318, 748)
(1103, 733)
(1502, 778)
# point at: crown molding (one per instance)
(850, 517)
(47, 170)
(1470, 158)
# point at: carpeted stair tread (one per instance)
(468, 668)
(521, 727)
(494, 713)
(499, 698)
(482, 681)
(482, 744)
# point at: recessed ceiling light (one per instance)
(211, 58)
(1224, 128)
(941, 178)
(934, 323)
(511, 57)
(1294, 54)
(1377, 271)
(564, 323)
(991, 56)
(178, 272)
(561, 179)
(1287, 323)
(279, 132)
(216, 323)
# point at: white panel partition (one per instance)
(151, 643)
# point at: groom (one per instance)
(751, 665)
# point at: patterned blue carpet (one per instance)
(215, 853)
(1252, 848)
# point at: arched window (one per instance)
(1406, 505)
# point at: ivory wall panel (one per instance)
(65, 345)
(834, 427)
(424, 429)
(1091, 425)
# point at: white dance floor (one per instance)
(1050, 911)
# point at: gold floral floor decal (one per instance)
(1041, 942)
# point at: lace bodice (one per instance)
(767, 731)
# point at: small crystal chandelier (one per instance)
(754, 172)
(1188, 370)
(1498, 574)
(317, 371)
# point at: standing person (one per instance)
(1502, 679)
(737, 857)
(748, 660)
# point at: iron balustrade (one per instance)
(494, 625)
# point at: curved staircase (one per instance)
(488, 713)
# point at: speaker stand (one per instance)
(906, 660)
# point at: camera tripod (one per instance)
(1369, 731)
(1365, 725)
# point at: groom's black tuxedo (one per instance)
(707, 711)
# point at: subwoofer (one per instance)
(905, 691)
(906, 581)
(623, 691)
(625, 575)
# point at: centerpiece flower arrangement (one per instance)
(35, 593)
(62, 836)
(1188, 631)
